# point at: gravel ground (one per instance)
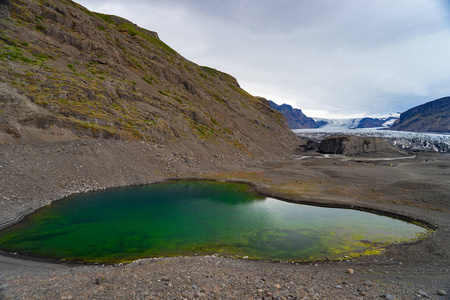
(223, 278)
(418, 189)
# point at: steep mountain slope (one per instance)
(69, 73)
(295, 117)
(433, 116)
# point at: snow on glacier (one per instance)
(409, 141)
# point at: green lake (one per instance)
(197, 217)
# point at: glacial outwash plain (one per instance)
(90, 101)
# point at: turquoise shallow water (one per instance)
(196, 217)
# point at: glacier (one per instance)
(408, 141)
(384, 121)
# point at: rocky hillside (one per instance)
(433, 116)
(295, 117)
(69, 73)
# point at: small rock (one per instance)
(277, 286)
(369, 283)
(389, 297)
(423, 294)
(441, 292)
(338, 287)
(349, 271)
(99, 280)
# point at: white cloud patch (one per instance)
(340, 58)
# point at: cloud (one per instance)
(342, 57)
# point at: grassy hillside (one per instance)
(71, 73)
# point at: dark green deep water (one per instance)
(197, 217)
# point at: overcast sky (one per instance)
(346, 58)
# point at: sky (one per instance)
(332, 59)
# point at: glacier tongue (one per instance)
(336, 124)
(409, 141)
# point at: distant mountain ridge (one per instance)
(295, 117)
(298, 120)
(433, 116)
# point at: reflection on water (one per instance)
(195, 217)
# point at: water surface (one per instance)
(197, 217)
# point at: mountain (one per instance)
(68, 73)
(295, 117)
(433, 116)
(298, 120)
(376, 122)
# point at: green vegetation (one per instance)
(136, 62)
(218, 98)
(203, 131)
(165, 93)
(40, 27)
(214, 121)
(241, 92)
(149, 79)
(131, 29)
(106, 18)
(210, 71)
(42, 56)
(96, 127)
(15, 54)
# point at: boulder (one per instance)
(350, 145)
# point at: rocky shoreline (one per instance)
(34, 175)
